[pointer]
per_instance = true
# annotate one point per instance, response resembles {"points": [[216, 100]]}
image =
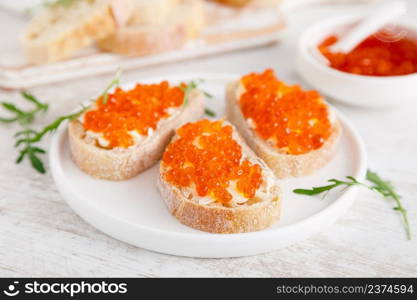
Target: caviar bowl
{"points": [[348, 88], [134, 212]]}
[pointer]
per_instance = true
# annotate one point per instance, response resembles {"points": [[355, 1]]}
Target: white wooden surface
{"points": [[41, 236]]}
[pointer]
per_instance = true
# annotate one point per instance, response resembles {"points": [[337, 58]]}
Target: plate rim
{"points": [[59, 179]]}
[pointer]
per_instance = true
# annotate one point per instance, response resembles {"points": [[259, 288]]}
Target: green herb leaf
{"points": [[28, 137], [6, 120], [12, 108], [31, 98], [321, 189], [113, 83], [37, 164], [187, 91], [209, 112], [24, 132], [38, 150], [315, 190], [189, 87], [32, 136], [207, 94], [50, 128], [24, 117], [384, 188], [51, 3], [21, 156]]}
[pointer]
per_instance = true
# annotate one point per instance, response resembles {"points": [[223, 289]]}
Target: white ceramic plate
{"points": [[134, 212]]}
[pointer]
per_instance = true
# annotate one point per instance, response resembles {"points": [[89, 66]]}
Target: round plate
{"points": [[134, 212]]}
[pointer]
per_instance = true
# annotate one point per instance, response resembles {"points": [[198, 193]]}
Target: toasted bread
{"points": [[284, 165], [253, 215], [124, 163], [59, 31], [184, 22]]}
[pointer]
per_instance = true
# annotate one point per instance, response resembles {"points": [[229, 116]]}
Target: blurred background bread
{"points": [[184, 21], [241, 3], [59, 30], [83, 36], [151, 12]]}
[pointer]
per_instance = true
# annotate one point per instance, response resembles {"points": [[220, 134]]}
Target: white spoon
{"points": [[377, 17]]}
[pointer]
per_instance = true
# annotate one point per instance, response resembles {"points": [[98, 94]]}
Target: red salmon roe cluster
{"points": [[294, 120], [140, 109], [206, 155], [374, 57]]}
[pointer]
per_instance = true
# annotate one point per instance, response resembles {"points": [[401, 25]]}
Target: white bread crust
{"points": [[218, 218], [284, 165], [121, 164]]}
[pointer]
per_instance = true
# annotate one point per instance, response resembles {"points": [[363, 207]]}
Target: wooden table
{"points": [[41, 236]]}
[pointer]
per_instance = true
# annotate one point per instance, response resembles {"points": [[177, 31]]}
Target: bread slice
{"points": [[124, 163], [153, 12], [193, 17], [257, 3], [238, 3], [184, 22], [284, 165], [61, 30], [255, 214]]}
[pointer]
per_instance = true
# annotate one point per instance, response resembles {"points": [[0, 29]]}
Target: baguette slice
{"points": [[284, 165], [153, 12], [61, 30], [217, 218], [242, 3], [184, 23], [121, 163]]}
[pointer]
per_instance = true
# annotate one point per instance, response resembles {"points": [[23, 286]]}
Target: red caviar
{"points": [[374, 57], [206, 155], [294, 120], [140, 109]]}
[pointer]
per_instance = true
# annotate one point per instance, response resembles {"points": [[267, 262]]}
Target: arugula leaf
{"points": [[28, 96], [21, 116], [36, 162], [386, 189], [321, 189], [113, 83], [24, 132], [52, 3], [6, 120], [12, 108], [37, 136], [31, 137], [189, 87], [27, 137], [207, 94], [383, 188], [209, 112], [21, 155]]}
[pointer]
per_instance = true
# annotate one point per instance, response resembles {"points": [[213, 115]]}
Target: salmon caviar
{"points": [[374, 57], [293, 120], [139, 109], [206, 155]]}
